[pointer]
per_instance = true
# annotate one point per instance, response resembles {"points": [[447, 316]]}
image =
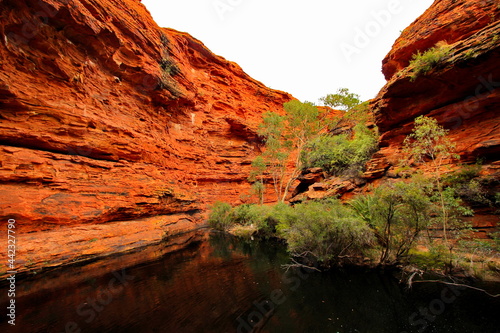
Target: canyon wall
{"points": [[116, 134], [462, 90], [111, 123]]}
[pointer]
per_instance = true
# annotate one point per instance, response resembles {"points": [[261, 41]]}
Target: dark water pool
{"points": [[220, 284]]}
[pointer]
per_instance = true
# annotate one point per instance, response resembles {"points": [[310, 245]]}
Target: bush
{"points": [[220, 217], [422, 63], [340, 154], [470, 187], [432, 259], [397, 213], [263, 218], [326, 230], [464, 175], [474, 193], [243, 214]]}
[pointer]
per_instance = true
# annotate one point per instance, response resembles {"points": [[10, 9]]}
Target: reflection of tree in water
{"points": [[264, 255], [353, 299], [223, 245], [206, 287]]}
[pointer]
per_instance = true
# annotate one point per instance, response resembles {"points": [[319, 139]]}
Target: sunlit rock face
{"points": [[106, 117], [462, 91], [445, 20]]}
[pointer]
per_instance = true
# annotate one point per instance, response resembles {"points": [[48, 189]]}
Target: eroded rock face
{"points": [[106, 117], [462, 91], [445, 20]]}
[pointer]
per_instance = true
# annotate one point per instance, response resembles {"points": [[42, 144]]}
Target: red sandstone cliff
{"points": [[462, 91], [105, 117], [447, 20], [114, 133]]}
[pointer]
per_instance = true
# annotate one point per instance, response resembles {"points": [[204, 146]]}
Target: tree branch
{"points": [[457, 285]]}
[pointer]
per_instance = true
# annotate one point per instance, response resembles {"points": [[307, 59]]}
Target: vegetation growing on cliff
{"points": [[307, 136], [342, 100], [422, 63], [385, 224], [349, 143], [285, 137], [428, 144], [341, 154]]}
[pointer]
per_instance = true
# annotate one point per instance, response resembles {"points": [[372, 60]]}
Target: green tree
{"points": [[259, 189], [397, 213], [340, 154], [277, 151], [342, 100], [257, 177], [428, 144], [304, 122], [284, 135]]}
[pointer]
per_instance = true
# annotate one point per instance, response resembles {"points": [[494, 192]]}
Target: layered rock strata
{"points": [[106, 117]]}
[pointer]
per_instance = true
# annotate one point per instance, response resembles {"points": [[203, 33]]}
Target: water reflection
{"points": [[221, 284]]}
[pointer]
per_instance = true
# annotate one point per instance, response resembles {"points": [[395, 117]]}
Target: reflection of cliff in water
{"points": [[221, 284]]}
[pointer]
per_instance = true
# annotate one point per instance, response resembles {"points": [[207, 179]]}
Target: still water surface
{"points": [[221, 284]]}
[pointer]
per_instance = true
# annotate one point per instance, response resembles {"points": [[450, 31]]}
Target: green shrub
{"points": [[397, 213], [432, 259], [422, 63], [341, 154], [464, 175], [475, 193], [470, 187], [285, 216], [243, 214], [496, 238], [220, 217], [326, 230], [263, 218]]}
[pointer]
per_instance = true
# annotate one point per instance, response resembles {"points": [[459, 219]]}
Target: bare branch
{"points": [[458, 285]]}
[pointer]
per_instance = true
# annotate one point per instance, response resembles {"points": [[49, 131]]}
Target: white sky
{"points": [[306, 48]]}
